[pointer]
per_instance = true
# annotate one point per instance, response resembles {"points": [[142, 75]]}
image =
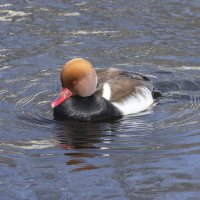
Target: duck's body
{"points": [[92, 108], [115, 94]]}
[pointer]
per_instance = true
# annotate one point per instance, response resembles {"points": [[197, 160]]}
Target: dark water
{"points": [[152, 155]]}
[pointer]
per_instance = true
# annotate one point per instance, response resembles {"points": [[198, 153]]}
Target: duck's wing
{"points": [[107, 74], [116, 84]]}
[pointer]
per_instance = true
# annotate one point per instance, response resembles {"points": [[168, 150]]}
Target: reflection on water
{"points": [[151, 155]]}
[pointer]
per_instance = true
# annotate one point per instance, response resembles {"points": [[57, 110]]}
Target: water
{"points": [[152, 155]]}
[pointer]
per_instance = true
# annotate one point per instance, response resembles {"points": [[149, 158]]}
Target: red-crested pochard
{"points": [[90, 94]]}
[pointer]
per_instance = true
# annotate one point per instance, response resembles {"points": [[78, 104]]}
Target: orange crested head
{"points": [[79, 76]]}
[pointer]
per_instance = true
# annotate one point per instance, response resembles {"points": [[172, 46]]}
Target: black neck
{"points": [[92, 108]]}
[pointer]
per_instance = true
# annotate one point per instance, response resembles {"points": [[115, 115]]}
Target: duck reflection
{"points": [[81, 160], [88, 136], [86, 141], [76, 135]]}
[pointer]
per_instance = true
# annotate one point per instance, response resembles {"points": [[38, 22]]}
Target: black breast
{"points": [[93, 108]]}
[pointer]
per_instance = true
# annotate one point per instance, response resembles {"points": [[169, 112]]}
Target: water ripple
{"points": [[10, 15], [181, 106], [151, 155]]}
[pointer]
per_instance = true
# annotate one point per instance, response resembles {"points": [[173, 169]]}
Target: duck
{"points": [[96, 94]]}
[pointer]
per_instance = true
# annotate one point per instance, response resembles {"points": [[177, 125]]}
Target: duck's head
{"points": [[79, 76]]}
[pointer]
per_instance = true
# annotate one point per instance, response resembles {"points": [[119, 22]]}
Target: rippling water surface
{"points": [[152, 155]]}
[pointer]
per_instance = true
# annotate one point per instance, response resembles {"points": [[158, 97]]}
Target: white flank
{"points": [[106, 91], [137, 102]]}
